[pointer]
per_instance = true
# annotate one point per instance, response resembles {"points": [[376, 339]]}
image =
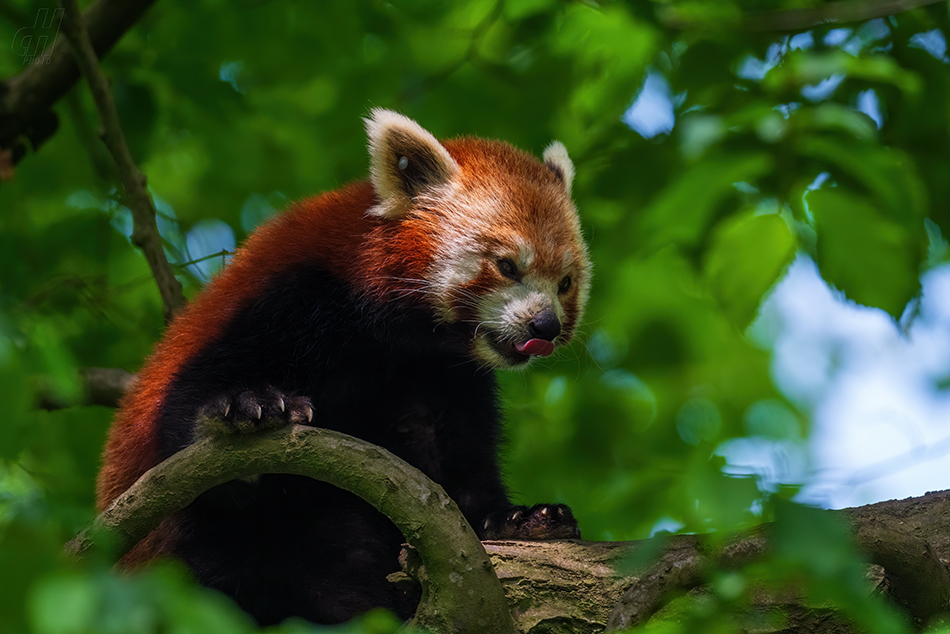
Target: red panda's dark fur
{"points": [[322, 276], [325, 230]]}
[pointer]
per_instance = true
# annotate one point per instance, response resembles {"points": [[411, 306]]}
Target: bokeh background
{"points": [[765, 187]]}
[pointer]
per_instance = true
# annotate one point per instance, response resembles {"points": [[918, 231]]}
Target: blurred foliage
{"points": [[830, 141]]}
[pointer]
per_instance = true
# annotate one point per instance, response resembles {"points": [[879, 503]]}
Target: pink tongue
{"points": [[535, 347]]}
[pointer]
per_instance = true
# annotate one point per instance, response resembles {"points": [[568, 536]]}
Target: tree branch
{"points": [[559, 586], [920, 579], [834, 12], [26, 99], [101, 386], [897, 536], [460, 592], [574, 586], [145, 232], [552, 586], [801, 19], [681, 567]]}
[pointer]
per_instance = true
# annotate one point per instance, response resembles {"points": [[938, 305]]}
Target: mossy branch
{"points": [[460, 591]]}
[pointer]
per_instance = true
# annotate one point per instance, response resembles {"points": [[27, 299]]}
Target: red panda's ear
{"points": [[405, 160], [556, 158]]}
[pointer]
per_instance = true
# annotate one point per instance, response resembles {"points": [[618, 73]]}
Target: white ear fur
{"points": [[405, 160], [556, 158]]}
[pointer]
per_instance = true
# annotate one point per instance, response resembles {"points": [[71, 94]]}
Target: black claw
{"points": [[250, 410], [543, 521]]}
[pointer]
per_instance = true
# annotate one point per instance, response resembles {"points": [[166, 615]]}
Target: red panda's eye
{"points": [[564, 285], [507, 268]]}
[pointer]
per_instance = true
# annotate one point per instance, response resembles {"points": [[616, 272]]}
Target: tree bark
{"points": [[576, 587]]}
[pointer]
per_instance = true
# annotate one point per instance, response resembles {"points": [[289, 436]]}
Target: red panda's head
{"points": [[488, 234]]}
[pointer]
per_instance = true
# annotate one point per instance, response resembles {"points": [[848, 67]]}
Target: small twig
{"points": [[471, 52], [145, 232], [101, 386], [223, 253], [801, 19]]}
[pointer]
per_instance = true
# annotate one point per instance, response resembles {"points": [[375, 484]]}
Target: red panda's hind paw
{"points": [[250, 410], [541, 521]]}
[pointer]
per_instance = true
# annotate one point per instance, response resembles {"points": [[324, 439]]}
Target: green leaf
{"points": [[682, 212], [605, 81], [748, 255], [64, 604], [872, 259], [800, 68], [818, 545], [888, 174], [836, 117]]}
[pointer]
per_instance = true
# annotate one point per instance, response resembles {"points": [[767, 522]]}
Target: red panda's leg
{"points": [[249, 410], [470, 473]]}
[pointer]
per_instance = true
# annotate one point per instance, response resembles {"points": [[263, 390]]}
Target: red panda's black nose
{"points": [[545, 325]]}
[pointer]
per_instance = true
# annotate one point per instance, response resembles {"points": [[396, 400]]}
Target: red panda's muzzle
{"points": [[543, 329]]}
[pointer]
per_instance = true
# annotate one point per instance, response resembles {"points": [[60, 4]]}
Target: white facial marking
{"points": [[506, 312], [525, 256], [566, 261], [466, 220], [462, 218]]}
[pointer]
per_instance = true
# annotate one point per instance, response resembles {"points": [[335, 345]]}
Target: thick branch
{"points": [[26, 99], [682, 567], [145, 233], [560, 586], [460, 593], [579, 586], [916, 562], [800, 19]]}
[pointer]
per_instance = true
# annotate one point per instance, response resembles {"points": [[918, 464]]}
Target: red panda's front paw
{"points": [[251, 410], [541, 521]]}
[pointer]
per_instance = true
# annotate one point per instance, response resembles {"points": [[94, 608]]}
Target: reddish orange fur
{"points": [[490, 164], [453, 260], [327, 229], [334, 231]]}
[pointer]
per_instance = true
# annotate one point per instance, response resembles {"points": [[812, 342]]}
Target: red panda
{"points": [[378, 310]]}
